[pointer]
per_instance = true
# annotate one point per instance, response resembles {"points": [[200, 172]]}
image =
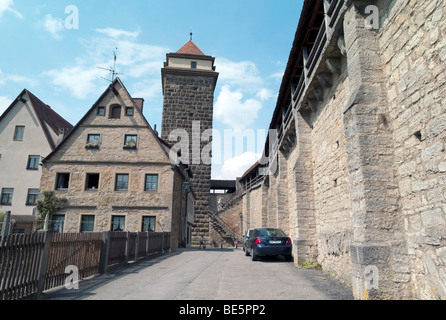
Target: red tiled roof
{"points": [[191, 48]]}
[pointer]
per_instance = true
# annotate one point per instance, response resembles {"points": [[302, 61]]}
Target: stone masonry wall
{"points": [[413, 51], [189, 98], [331, 186]]}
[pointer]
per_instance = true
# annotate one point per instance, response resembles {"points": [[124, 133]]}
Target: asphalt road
{"points": [[212, 274]]}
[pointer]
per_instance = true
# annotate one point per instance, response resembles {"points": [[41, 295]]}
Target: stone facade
{"points": [[110, 157], [360, 183], [188, 105]]}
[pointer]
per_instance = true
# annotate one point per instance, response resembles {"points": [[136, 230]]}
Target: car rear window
{"points": [[271, 233]]}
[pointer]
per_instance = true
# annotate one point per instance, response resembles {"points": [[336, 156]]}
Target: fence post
{"points": [[127, 247], [136, 246], [147, 243], [43, 262], [105, 250], [162, 244]]}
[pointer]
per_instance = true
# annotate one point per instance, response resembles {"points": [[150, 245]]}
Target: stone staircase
{"points": [[226, 232]]}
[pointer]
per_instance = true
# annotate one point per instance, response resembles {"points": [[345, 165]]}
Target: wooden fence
{"points": [[32, 263]]}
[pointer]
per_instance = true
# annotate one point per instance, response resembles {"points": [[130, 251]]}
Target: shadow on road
{"points": [[115, 272]]}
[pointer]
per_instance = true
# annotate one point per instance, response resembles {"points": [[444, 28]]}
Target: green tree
{"points": [[48, 206], [2, 217]]}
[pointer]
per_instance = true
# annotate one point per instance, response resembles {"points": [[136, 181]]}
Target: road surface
{"points": [[213, 274]]}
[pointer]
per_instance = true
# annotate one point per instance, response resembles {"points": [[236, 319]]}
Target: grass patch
{"points": [[312, 265]]}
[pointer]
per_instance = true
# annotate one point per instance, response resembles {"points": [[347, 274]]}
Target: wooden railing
{"points": [[311, 54], [33, 263]]}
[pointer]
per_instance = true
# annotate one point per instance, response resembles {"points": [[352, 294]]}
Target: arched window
{"points": [[115, 112]]}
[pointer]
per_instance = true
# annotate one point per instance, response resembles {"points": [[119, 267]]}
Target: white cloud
{"points": [[6, 6], [244, 74], [117, 33], [265, 94], [17, 79], [79, 80], [4, 104], [147, 89], [54, 26], [231, 110], [134, 60], [237, 166]]}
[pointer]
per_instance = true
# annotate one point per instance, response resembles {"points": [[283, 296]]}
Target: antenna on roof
{"points": [[112, 70]]}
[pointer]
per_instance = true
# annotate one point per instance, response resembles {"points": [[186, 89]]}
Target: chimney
{"points": [[139, 102]]}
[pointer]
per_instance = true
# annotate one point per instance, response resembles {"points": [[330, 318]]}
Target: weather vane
{"points": [[112, 70]]}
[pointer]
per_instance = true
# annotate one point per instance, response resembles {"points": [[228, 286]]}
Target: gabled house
{"points": [[29, 131], [116, 173]]}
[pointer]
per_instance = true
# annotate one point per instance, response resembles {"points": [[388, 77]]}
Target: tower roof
{"points": [[191, 48]]}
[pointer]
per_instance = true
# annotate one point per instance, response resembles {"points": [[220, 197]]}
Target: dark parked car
{"points": [[268, 242], [246, 237]]}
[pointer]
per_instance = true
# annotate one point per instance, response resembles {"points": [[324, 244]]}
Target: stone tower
{"points": [[189, 81]]}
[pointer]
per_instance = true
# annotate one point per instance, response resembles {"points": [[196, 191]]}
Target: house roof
{"points": [[164, 146], [191, 48], [48, 118]]}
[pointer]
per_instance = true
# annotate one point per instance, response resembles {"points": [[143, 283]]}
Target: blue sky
{"points": [[251, 41]]}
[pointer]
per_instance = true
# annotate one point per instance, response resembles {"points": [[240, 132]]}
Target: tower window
{"points": [[193, 64]]}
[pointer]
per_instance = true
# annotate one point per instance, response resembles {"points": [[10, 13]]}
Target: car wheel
{"points": [[254, 256]]}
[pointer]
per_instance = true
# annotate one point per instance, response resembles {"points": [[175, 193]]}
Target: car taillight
{"points": [[259, 241], [288, 241]]}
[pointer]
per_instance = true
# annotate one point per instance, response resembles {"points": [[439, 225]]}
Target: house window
{"points": [[87, 223], [62, 181], [151, 182], [148, 224], [130, 141], [19, 133], [93, 141], [7, 194], [118, 223], [122, 182], [56, 223], [33, 163], [193, 65], [101, 111], [33, 195], [115, 112], [129, 111], [92, 181]]}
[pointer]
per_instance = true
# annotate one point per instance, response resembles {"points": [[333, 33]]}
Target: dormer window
{"points": [[115, 112], [129, 111], [101, 111], [193, 64]]}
